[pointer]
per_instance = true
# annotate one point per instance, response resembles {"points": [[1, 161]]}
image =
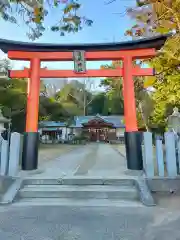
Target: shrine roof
{"points": [[153, 42], [116, 120], [47, 124]]}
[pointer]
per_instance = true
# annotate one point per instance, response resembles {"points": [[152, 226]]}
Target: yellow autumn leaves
{"points": [[149, 81], [38, 14]]}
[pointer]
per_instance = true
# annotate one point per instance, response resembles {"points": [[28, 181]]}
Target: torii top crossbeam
{"points": [[147, 43], [142, 48]]}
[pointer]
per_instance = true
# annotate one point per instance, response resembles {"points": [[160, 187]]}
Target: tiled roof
{"points": [[52, 124], [117, 121], [50, 128]]}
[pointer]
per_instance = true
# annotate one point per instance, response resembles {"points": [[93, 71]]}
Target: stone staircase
{"points": [[79, 192]]}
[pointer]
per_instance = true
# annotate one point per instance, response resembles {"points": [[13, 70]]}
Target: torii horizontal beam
{"points": [[45, 73], [89, 56]]}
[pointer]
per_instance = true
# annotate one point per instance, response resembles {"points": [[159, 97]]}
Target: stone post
{"points": [[4, 158], [14, 156], [174, 126]]}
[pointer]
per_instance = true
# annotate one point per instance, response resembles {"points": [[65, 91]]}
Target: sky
{"points": [[109, 25]]}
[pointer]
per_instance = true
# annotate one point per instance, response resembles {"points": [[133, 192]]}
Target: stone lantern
{"points": [[3, 120], [174, 121], [174, 126], [4, 74]]}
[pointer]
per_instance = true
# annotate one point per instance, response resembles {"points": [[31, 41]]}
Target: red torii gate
{"points": [[125, 51]]}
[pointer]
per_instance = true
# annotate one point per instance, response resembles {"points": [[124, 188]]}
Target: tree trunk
{"points": [[143, 117]]}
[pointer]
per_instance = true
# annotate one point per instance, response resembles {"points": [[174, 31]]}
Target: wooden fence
{"points": [[162, 158]]}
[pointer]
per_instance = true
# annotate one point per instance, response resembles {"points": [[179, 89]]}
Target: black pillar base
{"points": [[30, 151], [133, 150]]}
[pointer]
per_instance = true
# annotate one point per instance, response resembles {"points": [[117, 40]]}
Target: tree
{"points": [[114, 100], [97, 105], [77, 95], [13, 99], [50, 109], [166, 96], [5, 65], [33, 14], [114, 96], [144, 104], [153, 18]]}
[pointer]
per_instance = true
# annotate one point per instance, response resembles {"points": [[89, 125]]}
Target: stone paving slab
{"points": [[104, 161], [90, 160], [120, 148], [49, 152]]}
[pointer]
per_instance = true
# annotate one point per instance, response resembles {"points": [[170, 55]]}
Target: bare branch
{"points": [[109, 2]]}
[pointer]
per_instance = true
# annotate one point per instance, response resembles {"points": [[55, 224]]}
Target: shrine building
{"points": [[97, 128]]}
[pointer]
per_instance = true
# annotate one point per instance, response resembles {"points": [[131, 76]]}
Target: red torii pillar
{"points": [[31, 138], [132, 136], [129, 96]]}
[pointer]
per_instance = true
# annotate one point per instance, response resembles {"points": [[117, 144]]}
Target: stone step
{"points": [[80, 181], [76, 202], [79, 192]]}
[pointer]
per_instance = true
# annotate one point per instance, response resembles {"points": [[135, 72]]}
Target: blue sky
{"points": [[108, 26]]}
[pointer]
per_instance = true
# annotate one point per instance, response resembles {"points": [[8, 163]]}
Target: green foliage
{"points": [[114, 97], [155, 17], [113, 100], [97, 105], [50, 109], [13, 101], [144, 104], [34, 13], [166, 96], [74, 97]]}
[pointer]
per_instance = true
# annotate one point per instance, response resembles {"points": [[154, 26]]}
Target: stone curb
{"points": [[120, 153], [12, 191], [144, 193]]}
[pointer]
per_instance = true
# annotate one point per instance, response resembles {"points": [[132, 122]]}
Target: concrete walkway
{"points": [[103, 160], [68, 223], [91, 160]]}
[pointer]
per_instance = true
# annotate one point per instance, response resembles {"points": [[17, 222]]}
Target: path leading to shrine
{"points": [[87, 223], [96, 159], [67, 222], [47, 152]]}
